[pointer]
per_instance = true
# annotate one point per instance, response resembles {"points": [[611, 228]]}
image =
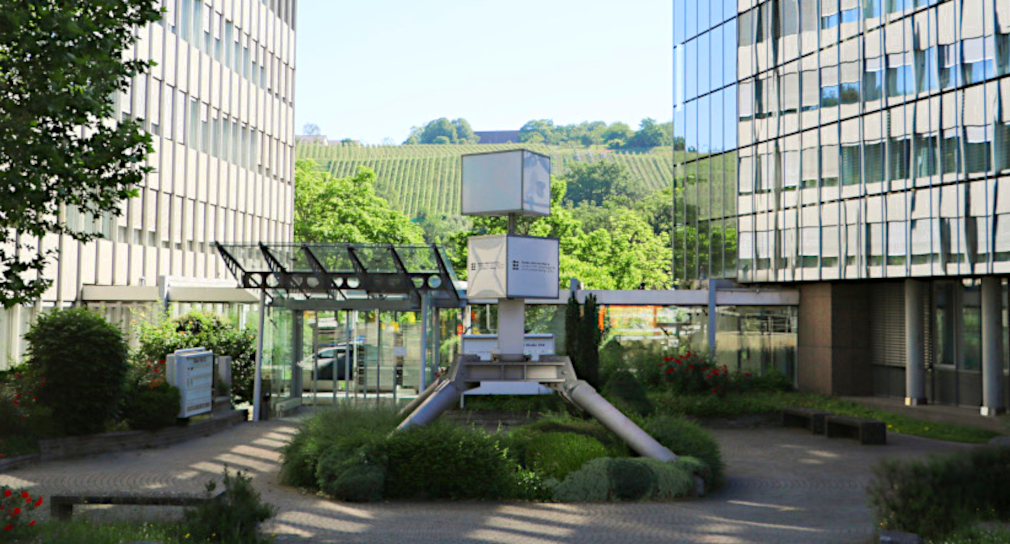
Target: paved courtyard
{"points": [[783, 485]]}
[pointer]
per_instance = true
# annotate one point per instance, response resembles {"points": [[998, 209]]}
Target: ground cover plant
{"points": [[937, 496], [352, 454]]}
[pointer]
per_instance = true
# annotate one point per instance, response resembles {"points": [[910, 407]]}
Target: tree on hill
{"points": [[601, 180], [651, 134], [329, 209], [619, 132], [443, 131], [538, 131], [62, 63]]}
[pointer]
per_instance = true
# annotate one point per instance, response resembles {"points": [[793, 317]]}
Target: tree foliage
{"points": [[604, 179], [61, 65], [443, 131], [329, 209]]}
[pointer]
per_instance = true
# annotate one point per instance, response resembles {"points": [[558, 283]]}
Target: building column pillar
{"points": [[915, 371], [992, 346]]}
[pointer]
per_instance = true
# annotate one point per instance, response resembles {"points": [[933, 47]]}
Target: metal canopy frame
{"points": [[345, 276]]}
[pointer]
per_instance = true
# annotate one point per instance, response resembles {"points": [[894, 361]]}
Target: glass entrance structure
{"points": [[343, 321]]}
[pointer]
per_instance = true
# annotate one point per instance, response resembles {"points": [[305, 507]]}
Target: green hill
{"points": [[415, 177]]}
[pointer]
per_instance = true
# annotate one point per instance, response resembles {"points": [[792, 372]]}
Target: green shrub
{"points": [[23, 420], [81, 361], [233, 520], [151, 407], [611, 360], [554, 455], [197, 329], [608, 479], [935, 496], [344, 428], [518, 440], [685, 437], [444, 461], [356, 475], [627, 394]]}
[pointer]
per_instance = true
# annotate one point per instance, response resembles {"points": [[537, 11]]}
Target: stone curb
{"points": [[79, 446]]}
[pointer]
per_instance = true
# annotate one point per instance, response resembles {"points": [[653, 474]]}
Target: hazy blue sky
{"points": [[370, 69]]}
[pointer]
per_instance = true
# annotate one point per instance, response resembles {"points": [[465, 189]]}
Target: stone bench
{"points": [[808, 418], [62, 506], [867, 431]]}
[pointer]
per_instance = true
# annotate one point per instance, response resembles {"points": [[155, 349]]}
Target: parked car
{"points": [[328, 356]]}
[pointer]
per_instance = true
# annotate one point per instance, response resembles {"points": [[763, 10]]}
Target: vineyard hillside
{"points": [[427, 177]]}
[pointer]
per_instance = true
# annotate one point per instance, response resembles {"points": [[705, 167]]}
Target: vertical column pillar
{"points": [[712, 315], [258, 379], [511, 327], [992, 347], [423, 383], [915, 371], [297, 339]]}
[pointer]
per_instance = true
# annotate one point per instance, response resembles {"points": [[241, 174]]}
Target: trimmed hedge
{"points": [[610, 479], [685, 437], [152, 407], [443, 461], [555, 455]]}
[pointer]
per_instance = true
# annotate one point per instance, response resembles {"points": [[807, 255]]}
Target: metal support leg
{"points": [[258, 379], [915, 371], [992, 346]]}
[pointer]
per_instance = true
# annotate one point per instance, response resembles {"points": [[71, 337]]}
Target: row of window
{"points": [[208, 31], [765, 41], [693, 17]]}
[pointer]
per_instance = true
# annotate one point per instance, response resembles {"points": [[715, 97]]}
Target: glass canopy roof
{"points": [[333, 276]]}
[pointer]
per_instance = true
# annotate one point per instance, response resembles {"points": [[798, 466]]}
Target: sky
{"points": [[370, 69]]}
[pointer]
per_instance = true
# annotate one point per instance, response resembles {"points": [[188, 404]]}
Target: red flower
{"points": [[746, 373], [17, 396], [24, 494], [17, 511], [32, 524], [668, 358], [691, 367], [38, 503], [16, 402], [669, 370], [156, 371], [7, 493], [9, 527], [679, 360], [659, 364], [715, 389], [688, 354]]}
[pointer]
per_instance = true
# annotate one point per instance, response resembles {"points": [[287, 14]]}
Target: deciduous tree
{"points": [[61, 65]]}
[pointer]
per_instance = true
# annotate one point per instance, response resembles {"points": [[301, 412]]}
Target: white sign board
{"points": [[507, 266], [192, 372], [504, 182], [483, 344]]}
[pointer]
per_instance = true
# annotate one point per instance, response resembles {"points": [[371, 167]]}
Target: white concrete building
{"points": [[220, 107]]}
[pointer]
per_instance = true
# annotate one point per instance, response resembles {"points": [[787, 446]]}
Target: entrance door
{"points": [[956, 374]]}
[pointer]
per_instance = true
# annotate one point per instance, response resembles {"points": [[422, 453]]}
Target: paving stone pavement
{"points": [[783, 485]]}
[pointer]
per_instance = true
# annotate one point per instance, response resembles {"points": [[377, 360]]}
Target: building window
{"points": [[897, 158], [899, 75], [978, 59], [873, 79], [874, 157], [871, 9], [949, 61], [951, 150], [925, 70], [925, 155]]}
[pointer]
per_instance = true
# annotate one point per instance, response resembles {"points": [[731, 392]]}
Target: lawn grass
{"points": [[82, 531], [976, 535], [761, 402]]}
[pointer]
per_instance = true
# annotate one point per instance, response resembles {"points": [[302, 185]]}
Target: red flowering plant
{"points": [[693, 373], [22, 419], [16, 507]]}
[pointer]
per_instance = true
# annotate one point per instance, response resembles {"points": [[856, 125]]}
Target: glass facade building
{"points": [[823, 141], [841, 139]]}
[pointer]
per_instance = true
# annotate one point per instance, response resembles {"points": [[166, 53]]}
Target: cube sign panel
{"points": [[506, 266], [505, 182]]}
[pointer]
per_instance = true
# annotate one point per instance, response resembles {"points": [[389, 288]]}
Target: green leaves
{"points": [[61, 62], [329, 209]]}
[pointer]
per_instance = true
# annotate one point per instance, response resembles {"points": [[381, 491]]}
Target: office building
{"points": [[860, 150], [219, 105]]}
